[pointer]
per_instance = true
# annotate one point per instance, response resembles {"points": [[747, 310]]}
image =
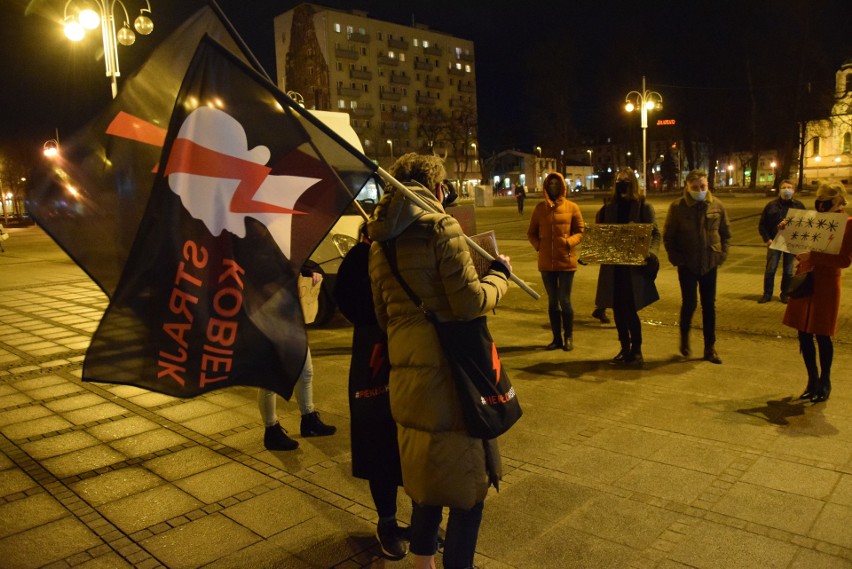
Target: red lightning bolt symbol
{"points": [[495, 361], [188, 157], [377, 358]]}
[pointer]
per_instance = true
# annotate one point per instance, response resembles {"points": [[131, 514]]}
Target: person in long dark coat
{"points": [[628, 289], [375, 450]]}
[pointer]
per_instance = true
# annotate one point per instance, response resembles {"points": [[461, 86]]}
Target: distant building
{"points": [[395, 81], [828, 141], [510, 167]]}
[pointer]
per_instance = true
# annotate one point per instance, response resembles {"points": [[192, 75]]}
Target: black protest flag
{"points": [[90, 198], [247, 186]]}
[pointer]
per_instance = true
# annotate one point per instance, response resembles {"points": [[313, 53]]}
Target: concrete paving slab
{"points": [[115, 485], [714, 546], [218, 483], [148, 508], [45, 544], [790, 512]]}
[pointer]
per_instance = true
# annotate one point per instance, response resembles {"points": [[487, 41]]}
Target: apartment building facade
{"points": [[406, 88]]}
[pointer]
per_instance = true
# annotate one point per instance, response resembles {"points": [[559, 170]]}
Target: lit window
{"points": [[353, 104], [337, 28], [458, 53], [349, 30], [458, 66], [341, 104], [402, 57], [467, 68], [415, 42], [425, 43], [391, 54]]}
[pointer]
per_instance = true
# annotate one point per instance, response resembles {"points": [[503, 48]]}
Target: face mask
{"points": [[553, 191], [823, 205], [698, 196], [622, 187], [786, 193]]}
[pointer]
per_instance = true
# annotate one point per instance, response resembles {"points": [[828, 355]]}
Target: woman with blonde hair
{"points": [[816, 315]]}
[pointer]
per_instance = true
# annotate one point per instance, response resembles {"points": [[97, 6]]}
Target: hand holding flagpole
{"points": [[470, 242]]}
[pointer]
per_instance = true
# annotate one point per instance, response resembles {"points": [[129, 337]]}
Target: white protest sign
{"points": [[808, 230]]}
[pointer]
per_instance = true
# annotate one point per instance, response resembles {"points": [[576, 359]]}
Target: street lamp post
{"points": [[591, 170], [90, 14], [390, 143], [645, 101], [730, 174]]}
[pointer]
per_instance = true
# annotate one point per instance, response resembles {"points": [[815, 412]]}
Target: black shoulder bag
{"points": [[488, 401]]}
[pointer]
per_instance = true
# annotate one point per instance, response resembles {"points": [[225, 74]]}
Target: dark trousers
{"points": [[558, 284], [706, 286], [627, 321], [384, 497], [773, 257], [809, 354], [460, 541]]}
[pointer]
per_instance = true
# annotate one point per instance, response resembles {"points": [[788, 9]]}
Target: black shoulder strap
{"points": [[389, 247]]}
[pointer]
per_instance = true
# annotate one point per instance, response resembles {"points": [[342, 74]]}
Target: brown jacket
{"points": [[697, 234], [817, 314], [556, 228]]}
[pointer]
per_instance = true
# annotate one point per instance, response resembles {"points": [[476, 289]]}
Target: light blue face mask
{"points": [[786, 193], [698, 196]]}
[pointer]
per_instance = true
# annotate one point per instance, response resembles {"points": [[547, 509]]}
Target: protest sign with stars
{"points": [[808, 230]]}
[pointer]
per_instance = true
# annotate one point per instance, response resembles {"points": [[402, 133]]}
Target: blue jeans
{"points": [[558, 284], [773, 256], [706, 285], [304, 390], [460, 541]]}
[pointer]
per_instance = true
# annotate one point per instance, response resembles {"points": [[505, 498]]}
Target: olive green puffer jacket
{"points": [[441, 464]]}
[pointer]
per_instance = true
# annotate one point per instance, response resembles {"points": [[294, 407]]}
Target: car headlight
{"points": [[343, 243]]}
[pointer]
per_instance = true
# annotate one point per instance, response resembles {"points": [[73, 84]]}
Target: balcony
{"points": [[346, 53], [400, 79], [423, 66], [434, 83], [464, 88], [362, 74], [385, 60], [433, 50], [397, 44], [362, 112], [355, 36], [465, 57], [390, 96], [426, 100], [348, 92], [453, 71], [390, 129], [402, 116]]}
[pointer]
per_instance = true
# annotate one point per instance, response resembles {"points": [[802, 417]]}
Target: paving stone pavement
{"points": [[680, 464]]}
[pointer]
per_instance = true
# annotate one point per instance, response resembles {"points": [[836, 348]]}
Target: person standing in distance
{"points": [[556, 228], [773, 214], [696, 238]]}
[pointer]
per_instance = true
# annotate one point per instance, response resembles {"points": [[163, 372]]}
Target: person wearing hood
{"points": [[628, 289], [442, 466], [556, 228], [696, 238]]}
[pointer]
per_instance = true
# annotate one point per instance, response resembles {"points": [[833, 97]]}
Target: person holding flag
{"points": [[442, 465]]}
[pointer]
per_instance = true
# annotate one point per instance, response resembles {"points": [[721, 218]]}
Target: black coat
{"points": [[375, 451]]}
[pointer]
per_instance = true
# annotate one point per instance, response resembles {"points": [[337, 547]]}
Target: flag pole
{"points": [[471, 243]]}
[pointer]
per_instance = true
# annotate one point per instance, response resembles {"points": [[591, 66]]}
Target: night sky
{"points": [[547, 72]]}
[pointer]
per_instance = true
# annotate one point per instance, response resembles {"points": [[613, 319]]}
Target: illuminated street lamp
{"points": [[390, 143], [50, 148], [730, 174], [88, 15], [645, 101]]}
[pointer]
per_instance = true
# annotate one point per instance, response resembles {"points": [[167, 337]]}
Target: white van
{"points": [[344, 234]]}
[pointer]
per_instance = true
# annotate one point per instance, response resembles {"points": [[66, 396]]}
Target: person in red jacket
{"points": [[816, 315], [556, 228]]}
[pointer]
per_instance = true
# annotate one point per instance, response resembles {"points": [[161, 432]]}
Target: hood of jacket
{"points": [[563, 192], [396, 211]]}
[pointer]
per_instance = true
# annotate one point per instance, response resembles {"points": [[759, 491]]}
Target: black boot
{"points": [[623, 356], [813, 381], [555, 327], [822, 390], [684, 343], [275, 438], [636, 358], [312, 426], [567, 327]]}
